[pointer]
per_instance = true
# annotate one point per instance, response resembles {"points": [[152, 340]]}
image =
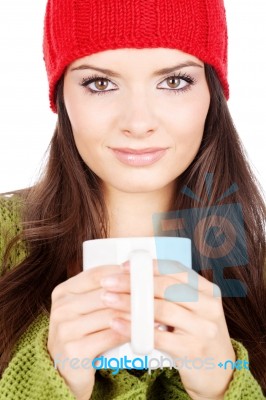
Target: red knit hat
{"points": [[77, 28]]}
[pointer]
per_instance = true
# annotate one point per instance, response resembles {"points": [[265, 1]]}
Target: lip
{"points": [[139, 157]]}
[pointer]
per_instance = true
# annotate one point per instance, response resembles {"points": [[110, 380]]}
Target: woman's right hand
{"points": [[80, 327]]}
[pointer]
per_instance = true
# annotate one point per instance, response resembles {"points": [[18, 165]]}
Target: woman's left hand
{"points": [[191, 306]]}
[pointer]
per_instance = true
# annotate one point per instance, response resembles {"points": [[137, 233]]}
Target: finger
{"points": [[121, 326], [117, 282], [105, 340], [85, 280], [182, 287], [165, 288], [186, 318], [162, 267], [121, 282], [179, 284], [68, 331], [173, 343], [200, 303], [177, 317], [166, 313], [117, 301], [163, 340], [178, 291], [182, 274], [93, 345], [73, 304]]}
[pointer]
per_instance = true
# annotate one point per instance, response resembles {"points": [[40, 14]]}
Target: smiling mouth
{"points": [[139, 157]]}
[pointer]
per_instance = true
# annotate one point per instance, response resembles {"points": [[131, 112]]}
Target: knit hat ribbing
{"points": [[78, 28]]}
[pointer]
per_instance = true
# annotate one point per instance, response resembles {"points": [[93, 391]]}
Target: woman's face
{"points": [[137, 125]]}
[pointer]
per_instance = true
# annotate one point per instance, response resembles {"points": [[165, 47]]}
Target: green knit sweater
{"points": [[31, 375]]}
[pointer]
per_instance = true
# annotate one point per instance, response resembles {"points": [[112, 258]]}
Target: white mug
{"points": [[140, 251]]}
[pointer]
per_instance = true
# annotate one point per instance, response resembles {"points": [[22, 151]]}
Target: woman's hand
{"points": [[80, 328], [193, 310]]}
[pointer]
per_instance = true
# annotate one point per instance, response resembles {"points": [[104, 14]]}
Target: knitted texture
{"points": [[10, 227], [77, 28], [31, 375]]}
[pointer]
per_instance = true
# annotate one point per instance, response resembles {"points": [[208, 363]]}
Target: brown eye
{"points": [[177, 83], [173, 82], [101, 84]]}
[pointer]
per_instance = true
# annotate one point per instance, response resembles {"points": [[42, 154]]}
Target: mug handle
{"points": [[142, 301]]}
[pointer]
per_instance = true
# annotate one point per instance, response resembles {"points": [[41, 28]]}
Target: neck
{"points": [[131, 214]]}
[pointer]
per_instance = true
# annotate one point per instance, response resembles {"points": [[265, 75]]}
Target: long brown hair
{"points": [[67, 207]]}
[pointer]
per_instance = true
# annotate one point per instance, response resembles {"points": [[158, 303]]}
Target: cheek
{"points": [[87, 140], [82, 119], [85, 113], [89, 126], [189, 128], [189, 123]]}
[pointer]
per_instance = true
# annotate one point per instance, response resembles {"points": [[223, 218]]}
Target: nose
{"points": [[138, 117]]}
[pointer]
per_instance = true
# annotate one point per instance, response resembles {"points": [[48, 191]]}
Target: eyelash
{"points": [[182, 76]]}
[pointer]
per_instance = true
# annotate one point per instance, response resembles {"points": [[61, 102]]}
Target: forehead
{"points": [[138, 59]]}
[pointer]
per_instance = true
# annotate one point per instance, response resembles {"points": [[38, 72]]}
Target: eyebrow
{"points": [[159, 72]]}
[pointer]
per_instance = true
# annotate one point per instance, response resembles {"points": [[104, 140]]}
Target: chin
{"points": [[141, 186]]}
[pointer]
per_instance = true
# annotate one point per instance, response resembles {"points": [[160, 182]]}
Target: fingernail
{"points": [[162, 328], [109, 282], [117, 325], [125, 265], [109, 297]]}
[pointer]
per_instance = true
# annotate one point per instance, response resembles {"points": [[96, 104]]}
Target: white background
{"points": [[27, 123]]}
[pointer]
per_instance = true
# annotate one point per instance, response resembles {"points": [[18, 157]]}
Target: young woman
{"points": [[143, 129]]}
